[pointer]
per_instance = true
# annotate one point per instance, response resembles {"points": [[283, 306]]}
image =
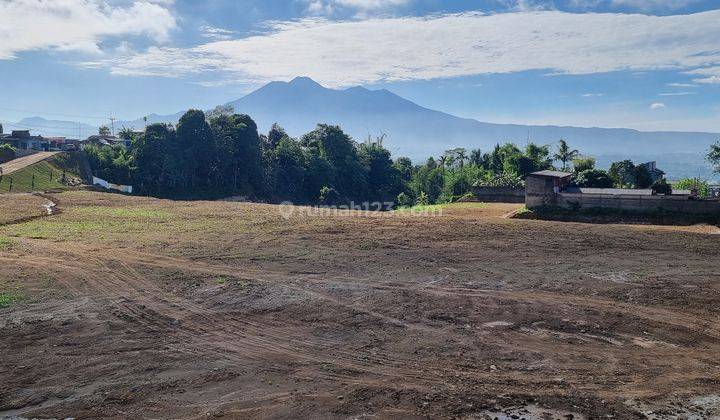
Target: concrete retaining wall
{"points": [[637, 203], [499, 194]]}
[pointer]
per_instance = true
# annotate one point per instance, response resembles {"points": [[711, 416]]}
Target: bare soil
{"points": [[137, 307]]}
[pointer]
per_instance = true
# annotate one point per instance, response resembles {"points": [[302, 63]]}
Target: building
{"points": [[23, 140], [542, 188], [552, 189], [101, 140], [653, 171]]}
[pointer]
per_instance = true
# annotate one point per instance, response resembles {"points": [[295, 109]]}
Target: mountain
{"points": [[419, 132], [51, 128]]}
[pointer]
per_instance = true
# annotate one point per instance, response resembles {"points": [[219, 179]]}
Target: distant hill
{"points": [[419, 132], [50, 128]]}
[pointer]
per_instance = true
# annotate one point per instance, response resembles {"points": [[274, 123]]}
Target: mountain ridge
{"points": [[418, 132]]}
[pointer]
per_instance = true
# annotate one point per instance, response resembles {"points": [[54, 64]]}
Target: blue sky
{"points": [[646, 64]]}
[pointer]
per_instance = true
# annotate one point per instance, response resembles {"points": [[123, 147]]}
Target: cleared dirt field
{"points": [[135, 307]]}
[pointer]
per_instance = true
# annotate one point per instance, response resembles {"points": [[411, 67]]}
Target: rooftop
{"points": [[552, 174]]}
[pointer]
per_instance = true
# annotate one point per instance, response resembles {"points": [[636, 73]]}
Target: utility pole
{"points": [[112, 124]]}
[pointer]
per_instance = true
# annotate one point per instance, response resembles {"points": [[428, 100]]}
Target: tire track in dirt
{"points": [[221, 337]]}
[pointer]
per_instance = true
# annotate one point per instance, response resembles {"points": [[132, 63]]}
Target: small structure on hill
{"points": [[552, 189], [542, 188]]}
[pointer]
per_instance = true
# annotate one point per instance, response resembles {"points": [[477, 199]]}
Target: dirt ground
{"points": [[135, 307]]}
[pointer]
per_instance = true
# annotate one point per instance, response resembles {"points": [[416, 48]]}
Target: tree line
{"points": [[222, 154]]}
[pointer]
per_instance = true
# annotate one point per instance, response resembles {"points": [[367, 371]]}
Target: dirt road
{"points": [[20, 163], [134, 307]]}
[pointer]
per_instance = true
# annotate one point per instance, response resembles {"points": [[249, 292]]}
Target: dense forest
{"points": [[222, 154]]}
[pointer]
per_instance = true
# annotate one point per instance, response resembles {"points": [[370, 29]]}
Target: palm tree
{"points": [[461, 156], [442, 161], [564, 154]]}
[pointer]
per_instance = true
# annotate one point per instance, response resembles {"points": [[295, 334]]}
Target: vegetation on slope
{"points": [[45, 175]]}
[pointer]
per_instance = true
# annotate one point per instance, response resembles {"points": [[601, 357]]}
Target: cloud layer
{"points": [[77, 25], [358, 52]]}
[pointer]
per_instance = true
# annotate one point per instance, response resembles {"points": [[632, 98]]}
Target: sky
{"points": [[644, 64]]}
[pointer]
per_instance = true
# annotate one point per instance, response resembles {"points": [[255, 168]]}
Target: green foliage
{"points": [[642, 177], [623, 173], [661, 186], [511, 180], [422, 199], [583, 163], [405, 168], [104, 130], [713, 156], [44, 175], [110, 163], [9, 298], [7, 152], [565, 154], [702, 187], [593, 178], [403, 200], [459, 181]]}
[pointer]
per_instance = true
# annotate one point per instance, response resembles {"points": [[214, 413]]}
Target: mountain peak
{"points": [[304, 81]]}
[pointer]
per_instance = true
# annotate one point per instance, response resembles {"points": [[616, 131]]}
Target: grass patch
{"points": [[5, 243], [9, 298], [433, 208], [43, 175], [121, 212]]}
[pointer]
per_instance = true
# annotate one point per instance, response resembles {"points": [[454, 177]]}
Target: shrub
{"points": [[403, 200], [702, 187], [581, 164], [661, 186], [593, 178], [7, 153]]}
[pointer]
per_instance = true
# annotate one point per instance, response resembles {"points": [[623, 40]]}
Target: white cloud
{"points": [[329, 7], [711, 75], [216, 33], [677, 94], [345, 53], [653, 5], [681, 85], [658, 105], [592, 95], [77, 25]]}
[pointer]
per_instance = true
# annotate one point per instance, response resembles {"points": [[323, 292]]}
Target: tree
{"points": [[1, 129], [701, 187], [593, 178], [220, 110], [661, 186], [623, 173], [384, 181], [642, 177], [195, 143], [583, 163], [104, 130], [714, 156], [564, 154], [274, 136], [340, 151], [405, 168], [237, 154], [476, 157]]}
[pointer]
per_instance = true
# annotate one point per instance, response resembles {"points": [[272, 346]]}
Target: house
{"points": [[655, 173], [101, 140], [23, 140]]}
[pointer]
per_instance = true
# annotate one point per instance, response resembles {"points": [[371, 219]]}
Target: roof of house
{"points": [[610, 191], [552, 174]]}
